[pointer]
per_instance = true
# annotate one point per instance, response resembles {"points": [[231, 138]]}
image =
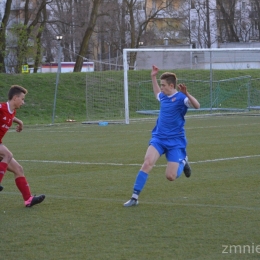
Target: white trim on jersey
{"points": [[186, 102], [167, 96], [8, 107]]}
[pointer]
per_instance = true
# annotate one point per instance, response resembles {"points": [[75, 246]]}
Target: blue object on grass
{"points": [[103, 123]]}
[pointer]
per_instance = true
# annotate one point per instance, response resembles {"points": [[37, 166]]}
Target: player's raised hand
{"points": [[154, 71], [182, 88]]}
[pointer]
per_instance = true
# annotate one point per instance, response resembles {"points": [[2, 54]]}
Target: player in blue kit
{"points": [[168, 135]]}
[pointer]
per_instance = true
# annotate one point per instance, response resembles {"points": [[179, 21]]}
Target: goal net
{"points": [[223, 80]]}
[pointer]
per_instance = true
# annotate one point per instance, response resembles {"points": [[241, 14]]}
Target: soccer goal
{"points": [[223, 80]]}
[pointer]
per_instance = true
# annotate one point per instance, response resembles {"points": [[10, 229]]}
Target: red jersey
{"points": [[6, 119]]}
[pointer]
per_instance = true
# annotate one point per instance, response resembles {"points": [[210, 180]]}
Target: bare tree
{"points": [[25, 32], [258, 17], [227, 13], [3, 27], [68, 19], [108, 40], [239, 22], [38, 55], [88, 33], [255, 16], [75, 20], [202, 24], [139, 18], [208, 33], [129, 24], [174, 20]]}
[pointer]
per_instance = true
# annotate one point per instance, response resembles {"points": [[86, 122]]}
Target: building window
{"points": [[154, 5], [141, 5], [253, 30], [193, 25], [243, 6], [192, 4], [169, 6], [254, 7]]}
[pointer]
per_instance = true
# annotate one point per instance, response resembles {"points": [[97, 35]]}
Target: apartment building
{"points": [[203, 23]]}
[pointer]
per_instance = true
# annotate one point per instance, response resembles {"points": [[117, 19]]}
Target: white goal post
{"points": [[223, 80]]}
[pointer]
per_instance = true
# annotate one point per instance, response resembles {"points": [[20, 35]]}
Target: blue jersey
{"points": [[171, 121]]}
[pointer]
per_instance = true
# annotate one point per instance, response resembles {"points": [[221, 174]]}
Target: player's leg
{"points": [[184, 157], [151, 156], [5, 158], [171, 171], [23, 185], [176, 163], [187, 168]]}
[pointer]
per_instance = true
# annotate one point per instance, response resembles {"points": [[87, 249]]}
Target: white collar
{"points": [[8, 107]]}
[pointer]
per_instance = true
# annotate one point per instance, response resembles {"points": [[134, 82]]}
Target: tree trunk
{"points": [[87, 35], [208, 25], [258, 16], [37, 60], [229, 19], [3, 35], [25, 32]]}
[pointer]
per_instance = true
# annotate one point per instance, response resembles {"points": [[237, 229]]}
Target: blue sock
{"points": [[180, 169], [139, 182]]}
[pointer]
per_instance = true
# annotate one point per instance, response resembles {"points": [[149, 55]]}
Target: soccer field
{"points": [[87, 173]]}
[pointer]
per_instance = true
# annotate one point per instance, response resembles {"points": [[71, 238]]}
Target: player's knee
{"points": [[171, 177], [147, 165], [18, 171], [8, 157]]}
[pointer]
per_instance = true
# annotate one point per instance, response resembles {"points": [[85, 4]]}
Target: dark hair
{"points": [[16, 90], [170, 78]]}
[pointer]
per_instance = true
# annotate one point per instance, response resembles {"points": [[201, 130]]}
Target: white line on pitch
{"points": [[229, 158], [148, 202], [136, 164], [82, 163], [62, 128]]}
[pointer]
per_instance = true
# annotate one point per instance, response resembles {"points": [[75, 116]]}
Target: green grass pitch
{"points": [[87, 173]]}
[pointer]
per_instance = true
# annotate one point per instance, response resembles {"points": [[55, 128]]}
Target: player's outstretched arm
{"points": [[156, 88]]}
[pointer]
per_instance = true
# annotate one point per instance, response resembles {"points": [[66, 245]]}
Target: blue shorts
{"points": [[174, 149]]}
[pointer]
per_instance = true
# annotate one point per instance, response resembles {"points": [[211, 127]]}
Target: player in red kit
{"points": [[16, 97]]}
